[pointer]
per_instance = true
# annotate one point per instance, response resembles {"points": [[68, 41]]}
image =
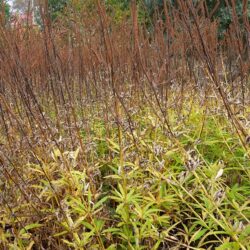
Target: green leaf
{"points": [[198, 234], [100, 202], [60, 234], [99, 224], [88, 225], [245, 233], [112, 247], [229, 246], [28, 227], [111, 230], [114, 146]]}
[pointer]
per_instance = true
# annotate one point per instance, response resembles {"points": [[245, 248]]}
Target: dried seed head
{"points": [[191, 153], [182, 176], [218, 196], [161, 164], [192, 164]]}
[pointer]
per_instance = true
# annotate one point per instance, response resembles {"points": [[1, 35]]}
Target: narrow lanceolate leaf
{"points": [[29, 227], [198, 234], [219, 174], [100, 202], [112, 247]]}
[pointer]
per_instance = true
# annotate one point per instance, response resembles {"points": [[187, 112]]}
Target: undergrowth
{"points": [[149, 194]]}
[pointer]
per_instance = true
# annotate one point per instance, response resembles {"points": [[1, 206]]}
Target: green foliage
{"points": [[56, 7], [118, 9], [184, 195], [224, 13], [6, 7]]}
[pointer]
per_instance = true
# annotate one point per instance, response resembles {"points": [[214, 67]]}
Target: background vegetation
{"points": [[220, 10]]}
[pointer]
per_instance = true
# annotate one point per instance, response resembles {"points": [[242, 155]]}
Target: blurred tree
{"points": [[55, 6], [222, 11], [55, 9], [217, 9], [4, 11], [118, 9], [20, 6]]}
